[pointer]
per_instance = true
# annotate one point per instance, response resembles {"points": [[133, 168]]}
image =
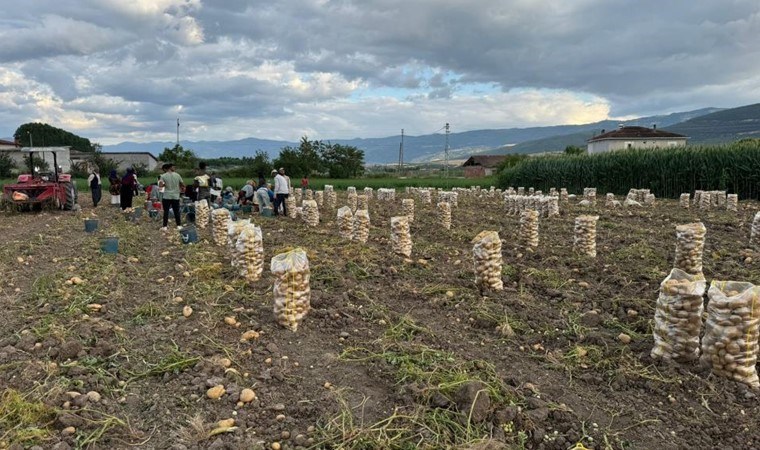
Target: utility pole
{"points": [[177, 132], [31, 144], [401, 153], [446, 151]]}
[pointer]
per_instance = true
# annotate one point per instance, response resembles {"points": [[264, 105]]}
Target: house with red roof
{"points": [[626, 137]]}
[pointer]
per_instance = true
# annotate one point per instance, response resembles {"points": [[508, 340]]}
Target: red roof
{"points": [[636, 133], [4, 142], [489, 161]]}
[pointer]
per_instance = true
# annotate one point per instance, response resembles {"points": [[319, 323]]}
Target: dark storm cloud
{"points": [[249, 60]]}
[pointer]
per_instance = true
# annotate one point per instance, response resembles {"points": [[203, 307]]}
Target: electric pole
{"points": [[446, 152], [401, 153], [178, 132]]}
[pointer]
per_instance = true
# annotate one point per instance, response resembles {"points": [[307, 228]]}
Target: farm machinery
{"points": [[36, 190]]}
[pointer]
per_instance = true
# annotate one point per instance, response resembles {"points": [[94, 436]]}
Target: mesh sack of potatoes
{"points": [[219, 219], [529, 228], [362, 202], [754, 235], [369, 192], [361, 226], [292, 293], [608, 199], [684, 200], [520, 190], [584, 236], [690, 244], [310, 212], [590, 195], [425, 196], [401, 239], [730, 340], [553, 207], [407, 208], [351, 190], [308, 194], [201, 214], [297, 195], [678, 317], [486, 252], [732, 202], [718, 199], [249, 253], [444, 214], [345, 222], [563, 196], [705, 200], [553, 192], [234, 228], [331, 199], [697, 195], [351, 200], [290, 203], [649, 200], [319, 197]]}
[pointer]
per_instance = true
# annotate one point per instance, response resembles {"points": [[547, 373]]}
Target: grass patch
{"points": [[22, 420]]}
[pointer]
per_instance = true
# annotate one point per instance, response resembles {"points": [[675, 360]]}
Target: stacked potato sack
{"points": [[684, 200], [362, 202], [678, 317], [297, 196], [444, 214], [330, 196], [649, 200], [407, 208], [531, 191], [345, 222], [386, 194], [630, 200], [351, 200], [705, 200], [310, 212], [697, 195], [590, 195], [690, 243], [486, 252], [718, 198], [553, 192], [520, 190], [425, 196], [351, 190], [369, 192], [201, 214], [585, 235], [609, 198], [292, 293], [249, 253], [234, 228], [563, 196], [308, 195], [754, 237], [361, 226], [319, 196], [401, 239], [553, 207], [290, 203], [538, 193], [732, 202], [529, 228], [730, 341], [219, 219]]}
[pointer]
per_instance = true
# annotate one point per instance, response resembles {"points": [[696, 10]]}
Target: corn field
{"points": [[666, 172]]}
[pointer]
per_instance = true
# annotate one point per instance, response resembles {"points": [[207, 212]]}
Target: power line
{"points": [[401, 153], [446, 151]]}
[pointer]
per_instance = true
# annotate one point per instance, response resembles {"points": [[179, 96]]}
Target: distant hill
{"points": [[702, 125], [722, 126]]}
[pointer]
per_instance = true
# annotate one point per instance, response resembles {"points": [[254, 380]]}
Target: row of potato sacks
{"points": [[729, 345]]}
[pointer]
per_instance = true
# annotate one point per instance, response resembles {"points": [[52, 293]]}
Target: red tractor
{"points": [[36, 190]]}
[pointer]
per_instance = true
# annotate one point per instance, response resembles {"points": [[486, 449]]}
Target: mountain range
{"points": [[703, 126]]}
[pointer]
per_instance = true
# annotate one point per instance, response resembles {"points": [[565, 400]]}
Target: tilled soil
{"points": [[395, 353]]}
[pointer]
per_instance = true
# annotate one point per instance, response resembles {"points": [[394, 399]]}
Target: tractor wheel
{"points": [[71, 196]]}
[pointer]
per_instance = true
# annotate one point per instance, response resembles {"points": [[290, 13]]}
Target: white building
{"points": [[634, 137], [17, 154]]}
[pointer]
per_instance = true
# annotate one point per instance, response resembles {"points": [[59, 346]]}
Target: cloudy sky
{"points": [[124, 70]]}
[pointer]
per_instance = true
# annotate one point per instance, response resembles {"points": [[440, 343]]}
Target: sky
{"points": [[125, 70]]}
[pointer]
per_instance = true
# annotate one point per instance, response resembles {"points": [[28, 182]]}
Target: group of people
{"points": [[169, 188]]}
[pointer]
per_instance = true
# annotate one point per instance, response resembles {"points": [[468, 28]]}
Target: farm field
{"points": [[395, 353]]}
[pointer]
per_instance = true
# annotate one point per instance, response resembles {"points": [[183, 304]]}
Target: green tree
{"points": [[574, 150], [181, 157], [342, 161], [37, 162], [260, 165], [6, 165], [43, 135], [290, 159], [512, 160]]}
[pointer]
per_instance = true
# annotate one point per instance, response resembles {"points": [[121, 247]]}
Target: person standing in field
{"points": [[172, 184], [95, 186], [304, 184], [202, 184], [128, 183], [115, 188], [281, 192]]}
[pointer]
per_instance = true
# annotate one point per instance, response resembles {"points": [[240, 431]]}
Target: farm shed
{"points": [[17, 154], [130, 159], [634, 137], [482, 165]]}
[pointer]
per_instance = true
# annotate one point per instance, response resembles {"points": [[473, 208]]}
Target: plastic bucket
{"points": [[267, 212], [188, 235], [90, 225], [137, 213], [246, 208], [109, 245]]}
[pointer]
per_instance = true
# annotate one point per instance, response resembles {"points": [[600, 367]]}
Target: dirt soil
{"points": [[95, 351]]}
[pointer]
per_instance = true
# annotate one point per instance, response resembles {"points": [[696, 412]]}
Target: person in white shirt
{"points": [[95, 186], [281, 192]]}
